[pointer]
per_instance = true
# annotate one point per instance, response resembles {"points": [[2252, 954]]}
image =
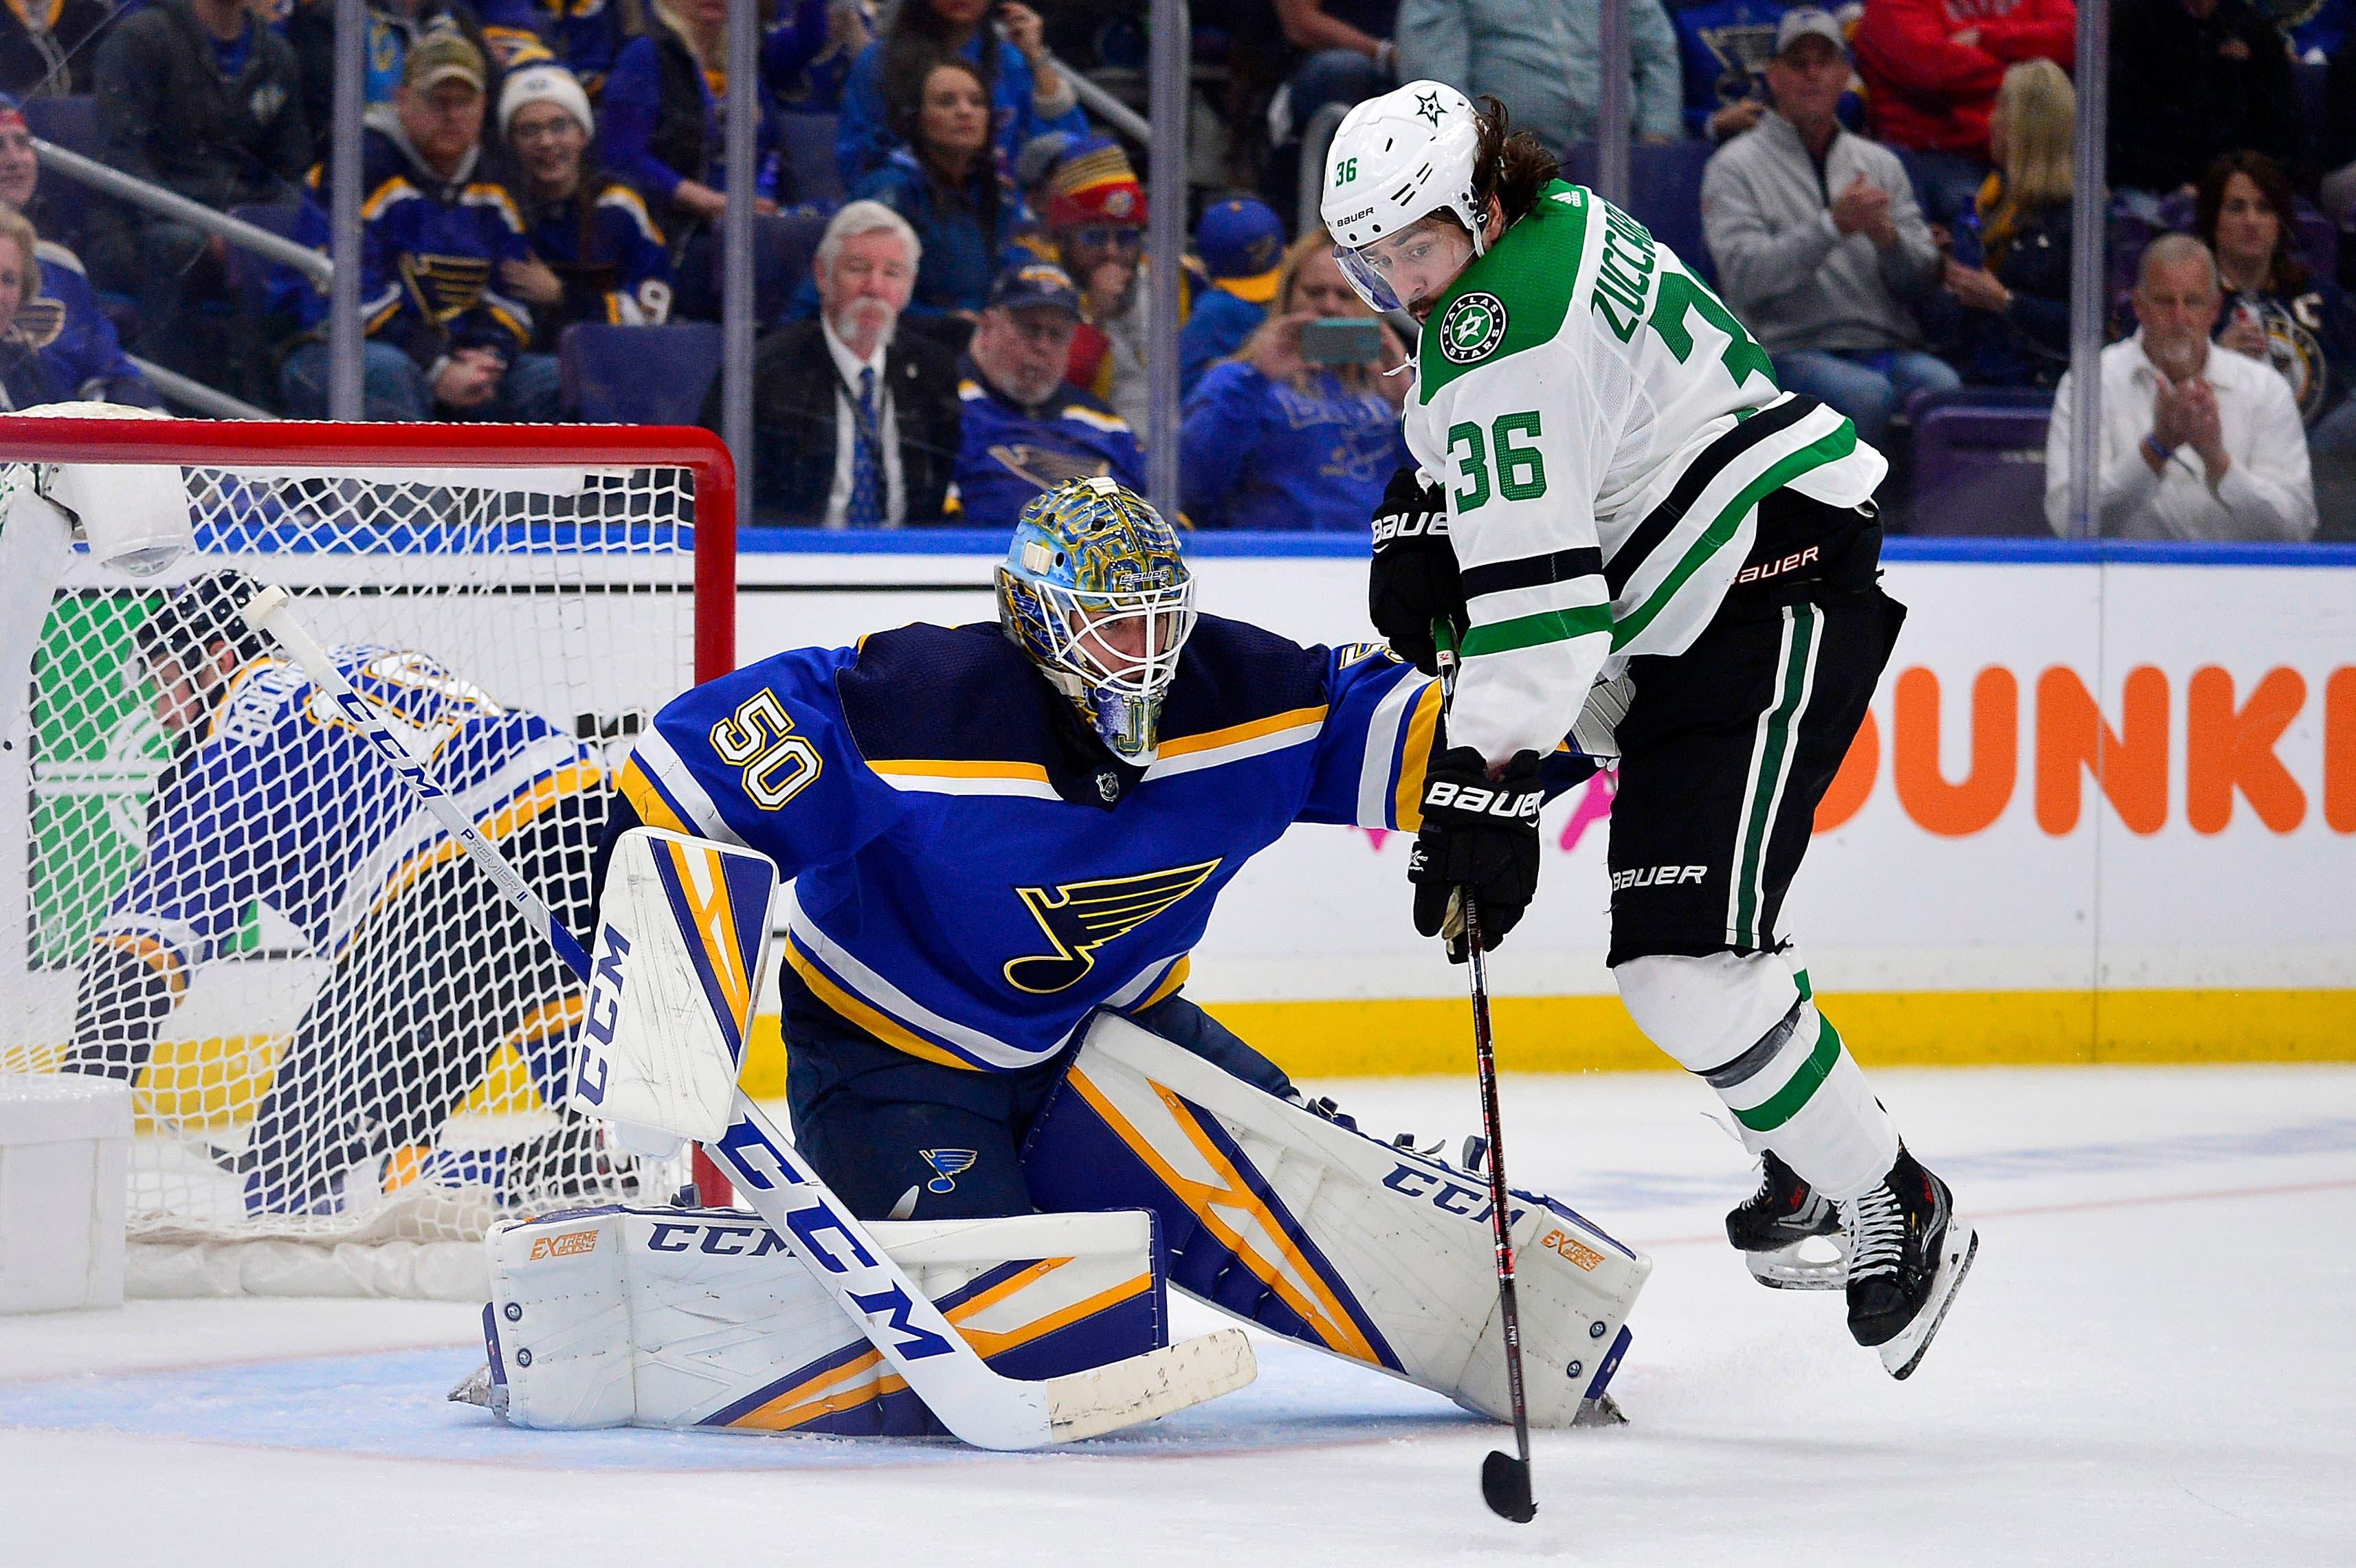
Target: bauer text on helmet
{"points": [[1094, 589], [1396, 160]]}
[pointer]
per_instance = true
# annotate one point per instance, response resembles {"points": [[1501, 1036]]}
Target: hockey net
{"points": [[334, 1033]]}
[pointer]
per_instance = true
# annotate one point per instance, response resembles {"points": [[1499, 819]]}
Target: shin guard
{"points": [[1371, 1251]]}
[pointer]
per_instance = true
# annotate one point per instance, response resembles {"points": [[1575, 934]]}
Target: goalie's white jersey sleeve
{"points": [[1604, 428]]}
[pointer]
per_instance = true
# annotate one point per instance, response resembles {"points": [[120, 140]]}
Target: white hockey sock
{"points": [[1740, 1022]]}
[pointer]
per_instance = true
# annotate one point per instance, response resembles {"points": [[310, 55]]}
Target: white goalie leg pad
{"points": [[1744, 1024], [682, 934], [1291, 1222], [704, 1319]]}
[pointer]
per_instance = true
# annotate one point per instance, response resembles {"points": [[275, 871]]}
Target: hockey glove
{"points": [[1481, 836], [1414, 579]]}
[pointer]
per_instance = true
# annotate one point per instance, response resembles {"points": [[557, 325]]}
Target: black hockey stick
{"points": [[1504, 1477]]}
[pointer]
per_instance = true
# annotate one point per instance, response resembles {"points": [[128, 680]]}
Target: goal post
{"points": [[207, 893]]}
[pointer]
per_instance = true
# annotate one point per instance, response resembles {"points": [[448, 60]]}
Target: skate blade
{"points": [[1789, 1268], [1903, 1351]]}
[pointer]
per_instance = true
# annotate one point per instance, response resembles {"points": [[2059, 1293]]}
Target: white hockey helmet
{"points": [[1397, 158]]}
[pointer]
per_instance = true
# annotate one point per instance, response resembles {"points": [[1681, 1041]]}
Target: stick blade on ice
{"points": [[1505, 1487]]}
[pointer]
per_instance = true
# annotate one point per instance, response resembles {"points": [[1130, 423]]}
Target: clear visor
{"points": [[1367, 276], [1416, 263]]}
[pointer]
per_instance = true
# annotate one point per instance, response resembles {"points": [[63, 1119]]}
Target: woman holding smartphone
{"points": [[1300, 429]]}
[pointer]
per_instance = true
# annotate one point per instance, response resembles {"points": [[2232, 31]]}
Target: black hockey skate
{"points": [[1907, 1255], [1773, 1227]]}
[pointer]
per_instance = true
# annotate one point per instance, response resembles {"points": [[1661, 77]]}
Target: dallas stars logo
{"points": [[1472, 327], [1080, 917], [1428, 105]]}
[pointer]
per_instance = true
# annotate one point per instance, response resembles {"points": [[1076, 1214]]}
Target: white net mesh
{"points": [[333, 1028]]}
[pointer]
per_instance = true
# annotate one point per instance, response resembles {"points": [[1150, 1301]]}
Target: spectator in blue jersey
{"points": [[815, 85], [1241, 243], [263, 800], [583, 35], [1820, 249], [61, 317], [1274, 442], [25, 380], [1023, 428], [203, 99], [947, 183], [45, 46], [1544, 62], [443, 340], [595, 254], [1725, 46], [1006, 43]]}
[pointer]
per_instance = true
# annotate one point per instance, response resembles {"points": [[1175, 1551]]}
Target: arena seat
{"points": [[637, 375], [1664, 194], [806, 153], [71, 122], [1979, 462], [782, 248]]}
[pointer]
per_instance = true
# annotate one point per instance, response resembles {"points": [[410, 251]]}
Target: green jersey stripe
{"points": [[1529, 631], [1785, 1102], [1829, 448]]}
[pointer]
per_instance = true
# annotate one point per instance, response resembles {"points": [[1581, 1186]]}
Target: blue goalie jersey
{"points": [[282, 801], [970, 876]]}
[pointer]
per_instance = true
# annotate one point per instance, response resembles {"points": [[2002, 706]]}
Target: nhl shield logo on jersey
{"points": [[1474, 325]]}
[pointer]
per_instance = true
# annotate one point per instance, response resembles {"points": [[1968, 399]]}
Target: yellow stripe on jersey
{"points": [[1415, 759], [1234, 734], [153, 951], [880, 1024], [528, 805], [1170, 984]]}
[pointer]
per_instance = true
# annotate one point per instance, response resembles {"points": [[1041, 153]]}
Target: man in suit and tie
{"points": [[854, 426]]}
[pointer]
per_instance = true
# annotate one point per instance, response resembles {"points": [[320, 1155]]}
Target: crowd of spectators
{"points": [[1886, 204]]}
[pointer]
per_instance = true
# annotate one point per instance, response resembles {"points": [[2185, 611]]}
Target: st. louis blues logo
{"points": [[1080, 917], [949, 1163]]}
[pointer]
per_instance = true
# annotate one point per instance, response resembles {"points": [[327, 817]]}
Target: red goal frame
{"points": [[304, 443]]}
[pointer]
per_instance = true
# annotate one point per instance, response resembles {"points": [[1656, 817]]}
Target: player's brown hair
{"points": [[1510, 167]]}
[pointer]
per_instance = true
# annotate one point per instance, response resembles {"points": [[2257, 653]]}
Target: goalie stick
{"points": [[978, 1406], [1504, 1477]]}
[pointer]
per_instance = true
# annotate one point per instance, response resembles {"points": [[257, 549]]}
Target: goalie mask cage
{"points": [[466, 577]]}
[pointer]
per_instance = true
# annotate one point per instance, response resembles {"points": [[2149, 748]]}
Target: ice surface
{"points": [[2152, 1364]]}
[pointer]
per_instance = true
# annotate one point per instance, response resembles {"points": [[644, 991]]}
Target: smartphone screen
{"points": [[1341, 340]]}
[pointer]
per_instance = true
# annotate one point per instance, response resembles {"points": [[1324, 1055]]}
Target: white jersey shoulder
{"points": [[1605, 429]]}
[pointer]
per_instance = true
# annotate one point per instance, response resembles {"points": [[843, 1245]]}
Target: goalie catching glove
{"points": [[1414, 581], [1480, 835]]}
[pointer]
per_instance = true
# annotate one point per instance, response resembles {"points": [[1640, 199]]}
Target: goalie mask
{"points": [[1094, 591], [1397, 159], [173, 646]]}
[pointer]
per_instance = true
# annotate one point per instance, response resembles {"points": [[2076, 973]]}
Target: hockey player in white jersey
{"points": [[270, 799], [1614, 490]]}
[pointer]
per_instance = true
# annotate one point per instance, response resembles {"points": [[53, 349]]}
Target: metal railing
{"points": [[1316, 138], [195, 395], [181, 209]]}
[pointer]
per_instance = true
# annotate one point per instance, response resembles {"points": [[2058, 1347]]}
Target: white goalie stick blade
{"points": [[682, 934], [1902, 1354], [978, 1406]]}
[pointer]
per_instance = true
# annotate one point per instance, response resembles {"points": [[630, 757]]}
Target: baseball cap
{"points": [[441, 57], [1241, 241], [1809, 21], [1034, 283]]}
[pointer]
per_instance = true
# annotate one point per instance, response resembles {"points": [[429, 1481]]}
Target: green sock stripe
{"points": [[1785, 1102]]}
